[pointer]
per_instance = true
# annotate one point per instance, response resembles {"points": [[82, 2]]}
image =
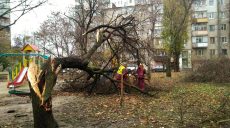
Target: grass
{"points": [[177, 104], [194, 104]]}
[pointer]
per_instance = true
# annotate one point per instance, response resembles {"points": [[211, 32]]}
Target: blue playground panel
{"points": [[23, 54]]}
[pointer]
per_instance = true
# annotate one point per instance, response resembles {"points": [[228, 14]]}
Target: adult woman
{"points": [[140, 76]]}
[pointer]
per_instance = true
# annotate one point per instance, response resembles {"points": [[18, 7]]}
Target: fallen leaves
{"points": [[199, 101]]}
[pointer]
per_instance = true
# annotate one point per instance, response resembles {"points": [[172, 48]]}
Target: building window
{"points": [[212, 40], [211, 15], [184, 54], [138, 1], [223, 39], [222, 27], [211, 27], [199, 27], [200, 14], [221, 2], [224, 52], [199, 2], [222, 15], [199, 52], [125, 4], [212, 52], [185, 59], [211, 2], [200, 39], [185, 62]]}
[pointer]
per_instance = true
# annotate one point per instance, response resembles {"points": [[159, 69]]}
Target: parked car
{"points": [[158, 68], [132, 67]]}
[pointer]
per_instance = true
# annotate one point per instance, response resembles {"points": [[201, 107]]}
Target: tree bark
{"points": [[42, 118], [168, 67], [176, 62], [71, 62], [41, 83]]}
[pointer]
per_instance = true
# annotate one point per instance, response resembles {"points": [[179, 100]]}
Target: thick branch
{"points": [[71, 62]]}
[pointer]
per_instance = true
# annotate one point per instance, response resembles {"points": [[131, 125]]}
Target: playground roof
{"points": [[30, 47]]}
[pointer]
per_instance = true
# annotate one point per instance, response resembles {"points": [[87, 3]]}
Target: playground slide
{"points": [[19, 79]]}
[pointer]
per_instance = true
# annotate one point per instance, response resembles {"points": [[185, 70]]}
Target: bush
{"points": [[201, 105], [216, 70]]}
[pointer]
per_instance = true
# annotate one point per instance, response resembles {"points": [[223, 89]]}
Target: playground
{"points": [[15, 104], [17, 72]]}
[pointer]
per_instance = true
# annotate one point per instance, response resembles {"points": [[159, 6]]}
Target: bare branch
{"points": [[27, 8]]}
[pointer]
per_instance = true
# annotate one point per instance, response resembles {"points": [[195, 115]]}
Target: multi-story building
{"points": [[4, 21], [208, 33], [210, 30]]}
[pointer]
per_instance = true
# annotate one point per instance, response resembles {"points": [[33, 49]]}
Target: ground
{"points": [[175, 104]]}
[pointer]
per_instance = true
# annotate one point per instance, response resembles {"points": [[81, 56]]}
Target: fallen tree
{"points": [[43, 80]]}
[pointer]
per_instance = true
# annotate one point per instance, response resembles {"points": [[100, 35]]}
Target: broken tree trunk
{"points": [[42, 118], [41, 83]]}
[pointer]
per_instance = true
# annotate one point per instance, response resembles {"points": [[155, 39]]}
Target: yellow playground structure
{"points": [[17, 72]]}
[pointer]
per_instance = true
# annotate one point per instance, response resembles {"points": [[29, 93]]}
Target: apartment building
{"points": [[210, 29], [208, 32], [4, 21]]}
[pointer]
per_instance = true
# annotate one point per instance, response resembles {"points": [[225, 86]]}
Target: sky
{"points": [[31, 21]]}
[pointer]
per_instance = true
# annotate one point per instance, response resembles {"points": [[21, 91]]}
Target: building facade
{"points": [[208, 32], [5, 38], [209, 37], [210, 29]]}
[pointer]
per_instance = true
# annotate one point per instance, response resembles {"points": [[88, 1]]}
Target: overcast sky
{"points": [[31, 21]]}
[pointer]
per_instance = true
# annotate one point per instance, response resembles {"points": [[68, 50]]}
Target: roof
{"points": [[30, 47]]}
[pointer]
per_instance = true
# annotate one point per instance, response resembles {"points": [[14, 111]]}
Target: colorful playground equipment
{"points": [[17, 72]]}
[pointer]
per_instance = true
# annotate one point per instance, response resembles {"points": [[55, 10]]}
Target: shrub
{"points": [[216, 70]]}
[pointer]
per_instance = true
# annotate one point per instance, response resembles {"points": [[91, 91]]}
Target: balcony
{"points": [[198, 33], [199, 45], [200, 20]]}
